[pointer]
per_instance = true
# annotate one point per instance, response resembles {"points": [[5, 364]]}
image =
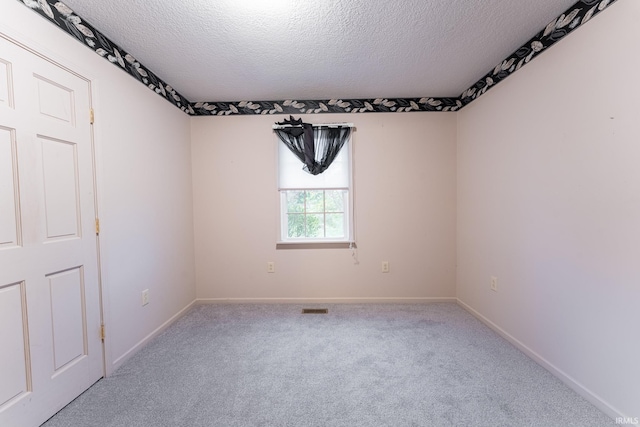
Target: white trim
{"points": [[593, 398], [27, 42], [355, 300], [133, 350], [311, 188], [316, 244], [352, 213]]}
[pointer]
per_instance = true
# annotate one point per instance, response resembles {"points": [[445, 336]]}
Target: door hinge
{"points": [[102, 333], [97, 226], [91, 116]]}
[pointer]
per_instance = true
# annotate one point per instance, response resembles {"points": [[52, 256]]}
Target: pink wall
{"points": [[549, 203], [405, 204]]}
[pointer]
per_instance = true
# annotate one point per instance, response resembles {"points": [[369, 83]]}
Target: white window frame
{"points": [[328, 242]]}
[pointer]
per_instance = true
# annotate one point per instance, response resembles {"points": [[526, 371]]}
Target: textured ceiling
{"points": [[232, 50]]}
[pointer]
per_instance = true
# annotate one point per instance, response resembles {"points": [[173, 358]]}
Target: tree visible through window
{"points": [[316, 214]]}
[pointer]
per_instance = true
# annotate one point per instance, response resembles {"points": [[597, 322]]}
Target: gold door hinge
{"points": [[97, 226], [102, 333], [91, 116]]}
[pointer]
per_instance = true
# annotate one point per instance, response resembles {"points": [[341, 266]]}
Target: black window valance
{"points": [[315, 145]]}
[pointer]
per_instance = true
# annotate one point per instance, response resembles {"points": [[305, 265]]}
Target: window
{"points": [[316, 214], [315, 208]]}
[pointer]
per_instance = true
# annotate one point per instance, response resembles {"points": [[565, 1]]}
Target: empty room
{"points": [[329, 213]]}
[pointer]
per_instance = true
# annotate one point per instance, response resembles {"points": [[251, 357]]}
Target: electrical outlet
{"points": [[494, 283], [271, 267], [385, 266], [145, 297]]}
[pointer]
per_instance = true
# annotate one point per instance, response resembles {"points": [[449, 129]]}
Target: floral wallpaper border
{"points": [[378, 105], [68, 21], [574, 17]]}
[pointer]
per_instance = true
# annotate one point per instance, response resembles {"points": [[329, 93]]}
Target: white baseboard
{"points": [[593, 398], [133, 350], [373, 300]]}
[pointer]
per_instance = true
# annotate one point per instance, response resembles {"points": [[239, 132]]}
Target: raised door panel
{"points": [[60, 175], [9, 226], [6, 84], [14, 369], [67, 317], [55, 100]]}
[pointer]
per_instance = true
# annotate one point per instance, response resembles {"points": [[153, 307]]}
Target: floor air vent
{"points": [[315, 310]]}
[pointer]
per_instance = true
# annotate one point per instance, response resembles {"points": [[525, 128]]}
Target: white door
{"points": [[50, 345]]}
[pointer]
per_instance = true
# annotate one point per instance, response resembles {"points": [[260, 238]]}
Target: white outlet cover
{"points": [[385, 266]]}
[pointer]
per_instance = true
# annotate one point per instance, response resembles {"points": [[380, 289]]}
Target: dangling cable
{"points": [[354, 252]]}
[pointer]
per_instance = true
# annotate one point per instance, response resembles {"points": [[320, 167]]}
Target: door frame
{"points": [[32, 46]]}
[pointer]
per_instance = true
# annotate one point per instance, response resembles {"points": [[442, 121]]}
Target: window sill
{"points": [[315, 245]]}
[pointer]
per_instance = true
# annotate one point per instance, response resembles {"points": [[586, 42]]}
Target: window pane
{"points": [[334, 200], [295, 201], [335, 225], [315, 201], [296, 226], [315, 226]]}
